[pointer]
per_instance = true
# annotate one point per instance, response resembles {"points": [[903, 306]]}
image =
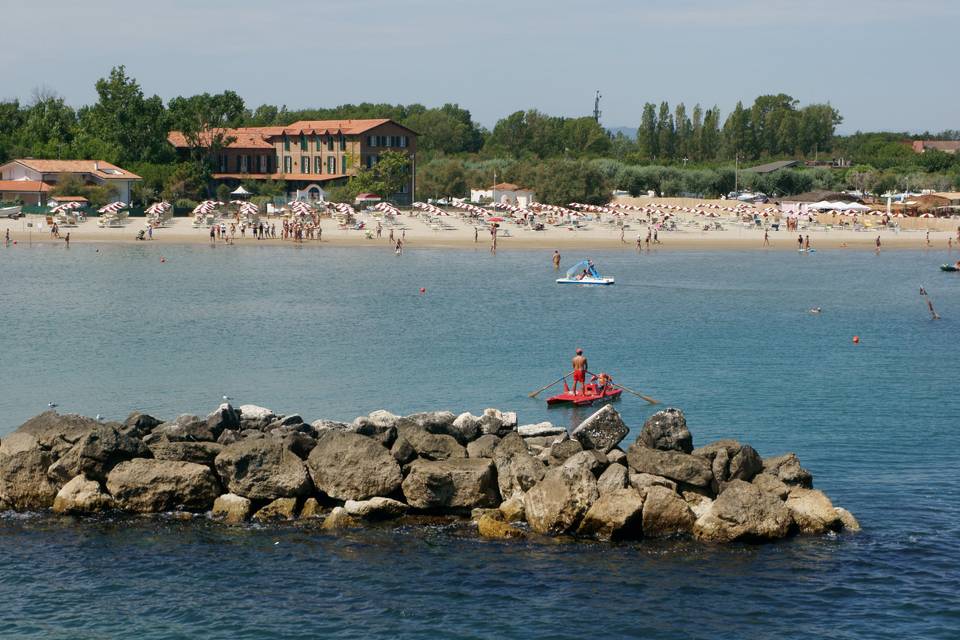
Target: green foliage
{"points": [[96, 195], [441, 178]]}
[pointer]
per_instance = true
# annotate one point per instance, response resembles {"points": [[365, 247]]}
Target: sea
{"points": [[338, 332]]}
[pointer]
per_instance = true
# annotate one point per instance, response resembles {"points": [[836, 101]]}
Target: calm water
{"points": [[338, 333]]}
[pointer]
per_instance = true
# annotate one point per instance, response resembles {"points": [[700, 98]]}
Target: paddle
{"points": [[640, 395], [636, 393], [534, 394]]}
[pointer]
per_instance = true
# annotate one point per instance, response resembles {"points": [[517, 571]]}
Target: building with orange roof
{"points": [[28, 172], [309, 155]]}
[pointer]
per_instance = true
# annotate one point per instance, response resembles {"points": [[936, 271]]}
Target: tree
{"points": [[647, 132], [684, 131], [665, 132], [393, 171], [127, 121], [47, 128], [441, 178], [737, 135], [816, 127], [585, 136], [449, 129], [709, 147]]}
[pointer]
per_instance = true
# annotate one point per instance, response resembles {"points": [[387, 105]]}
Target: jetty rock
{"points": [[251, 463]]}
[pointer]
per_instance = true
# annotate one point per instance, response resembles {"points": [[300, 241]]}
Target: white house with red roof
{"points": [[38, 177]]}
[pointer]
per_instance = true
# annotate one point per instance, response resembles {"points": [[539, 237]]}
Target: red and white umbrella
{"points": [[386, 207], [113, 207], [158, 207], [66, 206], [248, 208]]}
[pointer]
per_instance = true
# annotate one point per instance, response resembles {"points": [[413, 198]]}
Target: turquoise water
{"points": [[338, 333]]}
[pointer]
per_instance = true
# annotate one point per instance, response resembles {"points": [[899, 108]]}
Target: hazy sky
{"points": [[885, 64]]}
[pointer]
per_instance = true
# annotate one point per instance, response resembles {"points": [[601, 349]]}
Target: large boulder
{"points": [[744, 512], [667, 431], [279, 509], [592, 460], [558, 503], [231, 508], [483, 447], [381, 431], [82, 495], [146, 485], [262, 470], [186, 428], [847, 519], [558, 453], [198, 452], [468, 425], [492, 524], [517, 470], [452, 483], [139, 424], [432, 446], [255, 417], [506, 419], [675, 465], [95, 453], [348, 466], [540, 430], [602, 431], [376, 508], [641, 481], [56, 433], [771, 484], [730, 460], [812, 511], [787, 468], [224, 417], [665, 513], [24, 483], [616, 515], [613, 478], [339, 519], [402, 451]]}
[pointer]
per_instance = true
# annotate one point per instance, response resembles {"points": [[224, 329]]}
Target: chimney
{"points": [[96, 165]]}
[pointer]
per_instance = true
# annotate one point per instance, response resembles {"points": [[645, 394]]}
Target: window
{"points": [[343, 164], [263, 164], [239, 163], [304, 164], [286, 143], [405, 188], [343, 143], [287, 164], [303, 142], [331, 164], [372, 141], [317, 165], [329, 143], [403, 141]]}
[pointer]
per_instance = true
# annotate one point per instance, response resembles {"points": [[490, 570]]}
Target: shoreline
{"points": [[420, 235]]}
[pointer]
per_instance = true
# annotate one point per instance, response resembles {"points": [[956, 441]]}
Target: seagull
{"points": [[52, 405], [815, 310], [99, 417], [226, 398]]}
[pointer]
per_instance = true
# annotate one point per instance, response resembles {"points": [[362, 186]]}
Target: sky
{"points": [[885, 64]]}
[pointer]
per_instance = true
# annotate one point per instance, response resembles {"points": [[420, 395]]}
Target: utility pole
{"points": [[596, 107]]}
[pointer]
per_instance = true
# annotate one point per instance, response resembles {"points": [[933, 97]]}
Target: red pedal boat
{"points": [[586, 398]]}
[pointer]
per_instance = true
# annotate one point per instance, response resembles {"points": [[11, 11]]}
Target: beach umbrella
{"points": [[113, 207]]}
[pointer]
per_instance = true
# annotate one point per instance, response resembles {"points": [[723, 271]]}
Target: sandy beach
{"points": [[458, 232]]}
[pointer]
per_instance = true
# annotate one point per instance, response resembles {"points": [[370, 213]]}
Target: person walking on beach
{"points": [[391, 236], [379, 230], [766, 238], [928, 239], [622, 240], [67, 239], [579, 363], [556, 260], [639, 243], [878, 244], [806, 242], [800, 242], [493, 239], [476, 235], [399, 249], [656, 240], [150, 231], [6, 237], [213, 235]]}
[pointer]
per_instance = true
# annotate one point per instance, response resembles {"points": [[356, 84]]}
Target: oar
{"points": [[647, 398], [534, 394], [636, 393]]}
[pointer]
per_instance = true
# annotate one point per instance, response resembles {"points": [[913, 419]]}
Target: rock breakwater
{"points": [[514, 481]]}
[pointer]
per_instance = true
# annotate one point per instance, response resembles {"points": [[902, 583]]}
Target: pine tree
{"points": [[665, 132], [647, 133]]}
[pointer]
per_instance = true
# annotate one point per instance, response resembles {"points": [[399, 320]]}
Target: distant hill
{"points": [[630, 132]]}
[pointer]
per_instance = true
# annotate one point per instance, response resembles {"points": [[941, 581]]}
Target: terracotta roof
{"points": [[949, 146], [301, 177], [507, 186], [69, 199], [245, 138], [99, 168], [24, 186], [258, 137]]}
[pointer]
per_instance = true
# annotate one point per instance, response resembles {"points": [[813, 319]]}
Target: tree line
{"points": [[674, 150]]}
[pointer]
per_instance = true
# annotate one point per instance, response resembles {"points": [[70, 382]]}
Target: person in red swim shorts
{"points": [[579, 371]]}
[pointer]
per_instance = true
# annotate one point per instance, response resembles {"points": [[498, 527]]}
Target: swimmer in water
{"points": [[815, 310]]}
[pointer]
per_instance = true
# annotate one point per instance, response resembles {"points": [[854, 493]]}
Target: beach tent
{"points": [[240, 191]]}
